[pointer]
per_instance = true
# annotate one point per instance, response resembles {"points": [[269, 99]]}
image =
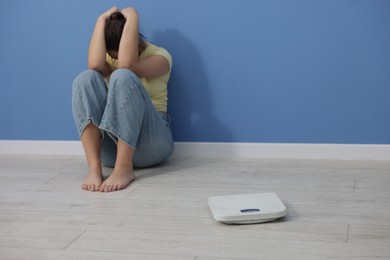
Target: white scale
{"points": [[247, 208]]}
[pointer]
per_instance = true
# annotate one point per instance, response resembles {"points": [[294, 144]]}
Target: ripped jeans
{"points": [[124, 110]]}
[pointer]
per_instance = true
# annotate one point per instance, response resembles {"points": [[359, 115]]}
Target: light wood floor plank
{"points": [[50, 254], [369, 234]]}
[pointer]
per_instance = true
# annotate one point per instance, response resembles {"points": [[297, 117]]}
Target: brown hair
{"points": [[113, 33]]}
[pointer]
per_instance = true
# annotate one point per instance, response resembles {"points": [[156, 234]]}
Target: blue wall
{"points": [[301, 71]]}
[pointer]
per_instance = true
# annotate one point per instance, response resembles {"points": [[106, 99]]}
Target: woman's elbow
{"points": [[105, 72], [94, 66], [124, 66]]}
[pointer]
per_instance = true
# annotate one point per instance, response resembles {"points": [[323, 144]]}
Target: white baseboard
{"points": [[23, 147], [237, 150], [284, 150]]}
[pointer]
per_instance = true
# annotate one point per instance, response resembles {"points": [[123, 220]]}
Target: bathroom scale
{"points": [[247, 208]]}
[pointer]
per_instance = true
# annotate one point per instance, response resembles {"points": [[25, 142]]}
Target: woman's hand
{"points": [[104, 16], [130, 13]]}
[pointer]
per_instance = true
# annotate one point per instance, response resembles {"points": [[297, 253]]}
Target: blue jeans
{"points": [[124, 110]]}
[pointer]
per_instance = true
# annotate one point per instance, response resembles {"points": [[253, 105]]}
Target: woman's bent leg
{"points": [[131, 120], [122, 120], [89, 96], [90, 139]]}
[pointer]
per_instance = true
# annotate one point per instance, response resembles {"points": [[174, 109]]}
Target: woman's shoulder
{"points": [[152, 49]]}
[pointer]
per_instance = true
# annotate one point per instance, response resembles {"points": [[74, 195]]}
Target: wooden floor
{"points": [[336, 210]]}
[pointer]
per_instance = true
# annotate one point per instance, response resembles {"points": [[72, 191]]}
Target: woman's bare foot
{"points": [[93, 181], [91, 143], [118, 180]]}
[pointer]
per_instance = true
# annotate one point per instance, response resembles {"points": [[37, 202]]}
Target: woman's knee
{"points": [[88, 75], [85, 80], [124, 76]]}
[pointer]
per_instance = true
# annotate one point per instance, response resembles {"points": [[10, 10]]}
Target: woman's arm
{"points": [[128, 56], [128, 46], [97, 46]]}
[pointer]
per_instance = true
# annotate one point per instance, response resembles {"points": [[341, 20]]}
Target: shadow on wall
{"points": [[190, 101]]}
